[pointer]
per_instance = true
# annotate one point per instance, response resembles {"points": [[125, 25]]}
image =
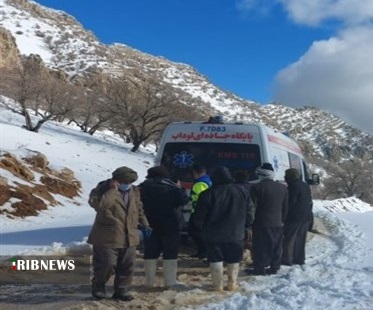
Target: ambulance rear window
{"points": [[179, 157]]}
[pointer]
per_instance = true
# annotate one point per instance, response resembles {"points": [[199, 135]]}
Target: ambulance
{"points": [[237, 146]]}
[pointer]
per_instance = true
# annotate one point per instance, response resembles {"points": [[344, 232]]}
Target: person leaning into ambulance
{"points": [[202, 182], [115, 232]]}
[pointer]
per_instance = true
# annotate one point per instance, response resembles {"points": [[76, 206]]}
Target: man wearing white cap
{"points": [[271, 203]]}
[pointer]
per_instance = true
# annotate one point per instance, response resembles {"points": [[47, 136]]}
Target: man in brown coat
{"points": [[115, 232]]}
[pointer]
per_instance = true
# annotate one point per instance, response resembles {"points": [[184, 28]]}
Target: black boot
{"points": [[123, 295], [98, 291], [256, 271], [272, 270], [300, 262]]}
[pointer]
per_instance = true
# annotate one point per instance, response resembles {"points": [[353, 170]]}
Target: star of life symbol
{"points": [[183, 159]]}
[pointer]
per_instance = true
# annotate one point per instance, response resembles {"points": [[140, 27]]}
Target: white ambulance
{"points": [[237, 146]]}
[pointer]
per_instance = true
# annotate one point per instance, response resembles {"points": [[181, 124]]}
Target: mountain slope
{"points": [[337, 273], [64, 44]]}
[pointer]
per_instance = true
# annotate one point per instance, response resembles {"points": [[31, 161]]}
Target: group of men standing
{"points": [[224, 209]]}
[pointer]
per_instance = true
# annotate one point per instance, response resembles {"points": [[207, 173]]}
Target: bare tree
{"points": [[34, 88], [92, 113], [56, 99], [120, 95], [23, 85], [351, 178], [141, 108], [150, 115]]}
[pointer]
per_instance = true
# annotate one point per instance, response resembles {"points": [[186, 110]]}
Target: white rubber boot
{"points": [[232, 270], [150, 271], [216, 270], [169, 272]]}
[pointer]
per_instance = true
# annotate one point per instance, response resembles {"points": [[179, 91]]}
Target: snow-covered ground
{"points": [[339, 269], [338, 273]]}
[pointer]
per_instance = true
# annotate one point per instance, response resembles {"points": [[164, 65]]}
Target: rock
{"points": [[29, 204], [34, 196], [38, 160], [5, 192], [10, 163], [61, 187], [9, 53], [67, 175]]}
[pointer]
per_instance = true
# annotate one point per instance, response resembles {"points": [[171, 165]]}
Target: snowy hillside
{"points": [[63, 44], [351, 204], [339, 267], [91, 158]]}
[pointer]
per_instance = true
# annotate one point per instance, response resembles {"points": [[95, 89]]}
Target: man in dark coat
{"points": [[271, 201], [115, 232], [241, 178], [298, 219], [222, 214], [163, 201]]}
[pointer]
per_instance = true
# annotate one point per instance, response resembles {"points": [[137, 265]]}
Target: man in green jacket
{"points": [[115, 232]]}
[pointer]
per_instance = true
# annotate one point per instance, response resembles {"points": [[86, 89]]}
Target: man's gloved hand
{"points": [[146, 231]]}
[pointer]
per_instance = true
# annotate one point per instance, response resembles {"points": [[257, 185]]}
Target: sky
{"points": [[339, 262], [237, 50], [296, 52]]}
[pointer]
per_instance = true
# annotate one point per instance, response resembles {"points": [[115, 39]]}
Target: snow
{"points": [[24, 25], [92, 158], [42, 35], [338, 273]]}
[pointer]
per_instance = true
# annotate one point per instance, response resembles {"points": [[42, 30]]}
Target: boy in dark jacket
{"points": [[298, 219], [222, 214], [162, 200]]}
